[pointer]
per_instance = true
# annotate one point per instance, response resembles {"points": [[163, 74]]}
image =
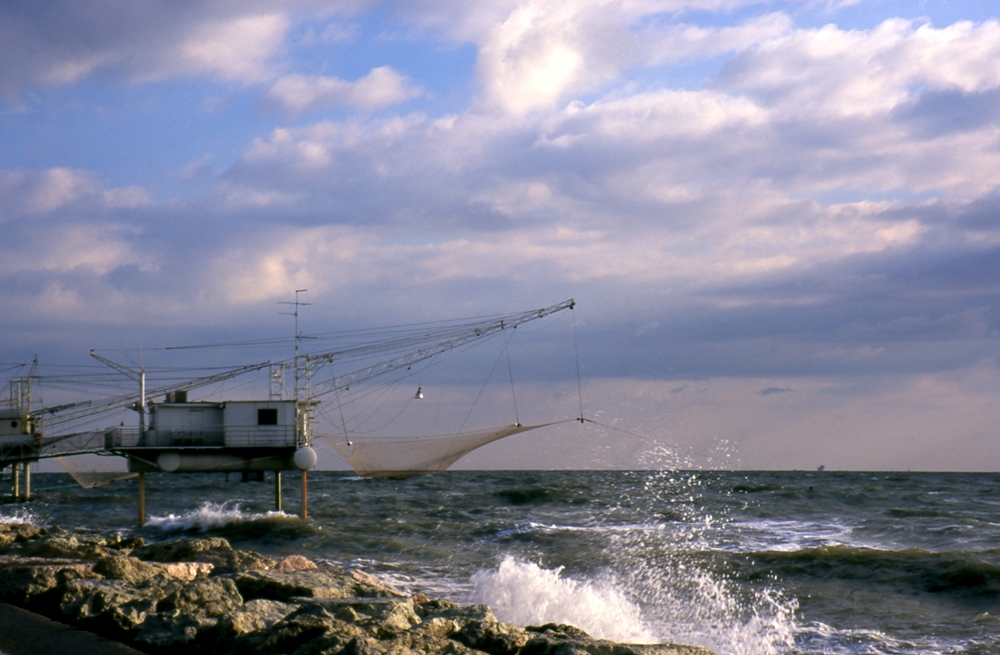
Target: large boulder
{"points": [[557, 639], [203, 597], [329, 582], [13, 532], [23, 579], [214, 550], [129, 569], [253, 616], [308, 629], [111, 608]]}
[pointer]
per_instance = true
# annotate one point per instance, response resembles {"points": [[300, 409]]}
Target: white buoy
{"points": [[169, 461], [305, 458]]}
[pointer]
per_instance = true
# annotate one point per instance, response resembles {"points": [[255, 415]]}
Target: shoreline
{"points": [[199, 595]]}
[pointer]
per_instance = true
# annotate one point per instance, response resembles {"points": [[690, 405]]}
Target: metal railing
{"points": [[239, 436]]}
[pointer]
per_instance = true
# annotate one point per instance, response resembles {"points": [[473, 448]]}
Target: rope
{"points": [[510, 372], [481, 389], [644, 437], [576, 351]]}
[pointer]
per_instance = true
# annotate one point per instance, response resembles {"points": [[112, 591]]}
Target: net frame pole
{"points": [[305, 494], [142, 498]]}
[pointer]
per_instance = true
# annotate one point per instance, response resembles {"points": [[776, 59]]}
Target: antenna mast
{"points": [[302, 372], [139, 377]]}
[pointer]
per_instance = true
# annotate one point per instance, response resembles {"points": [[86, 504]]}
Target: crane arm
{"points": [[469, 334]]}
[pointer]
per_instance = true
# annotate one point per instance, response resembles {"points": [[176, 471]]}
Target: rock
{"points": [[13, 532], [318, 583], [383, 619], [22, 579], [111, 608], [201, 596], [370, 582], [186, 570], [253, 616], [294, 563], [61, 546], [172, 632], [554, 639], [215, 551], [310, 628], [129, 569]]}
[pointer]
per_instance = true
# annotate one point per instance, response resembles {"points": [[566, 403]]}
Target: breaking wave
{"points": [[228, 520], [701, 611]]}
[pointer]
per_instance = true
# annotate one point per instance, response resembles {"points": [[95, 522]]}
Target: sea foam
{"points": [[209, 516], [527, 594], [700, 611]]}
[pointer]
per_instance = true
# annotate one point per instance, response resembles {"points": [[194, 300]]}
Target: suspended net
{"points": [[409, 456], [91, 471]]}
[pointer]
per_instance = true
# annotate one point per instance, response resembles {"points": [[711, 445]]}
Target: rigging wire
{"points": [[576, 351], [481, 389], [510, 372]]}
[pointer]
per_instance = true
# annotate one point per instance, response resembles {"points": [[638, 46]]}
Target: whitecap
{"points": [[208, 517]]}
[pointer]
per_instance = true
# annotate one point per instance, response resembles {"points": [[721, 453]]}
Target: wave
{"points": [[526, 594], [228, 520], [20, 516], [641, 606], [912, 570]]}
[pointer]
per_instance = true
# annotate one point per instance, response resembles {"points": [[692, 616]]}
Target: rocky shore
{"points": [[196, 596]]}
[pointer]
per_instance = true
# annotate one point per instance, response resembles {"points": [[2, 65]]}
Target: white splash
{"points": [[208, 517], [20, 516], [526, 594], [686, 606]]}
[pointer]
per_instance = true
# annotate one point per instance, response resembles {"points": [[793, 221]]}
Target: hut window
{"points": [[267, 417]]}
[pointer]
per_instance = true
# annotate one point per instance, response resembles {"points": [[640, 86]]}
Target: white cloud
{"points": [[676, 43], [830, 72], [25, 193], [64, 42], [382, 86], [544, 50], [235, 49], [75, 248]]}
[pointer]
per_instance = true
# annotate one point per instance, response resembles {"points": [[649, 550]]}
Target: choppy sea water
{"points": [[743, 563]]}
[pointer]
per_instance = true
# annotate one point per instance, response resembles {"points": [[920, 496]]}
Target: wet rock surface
{"points": [[203, 596]]}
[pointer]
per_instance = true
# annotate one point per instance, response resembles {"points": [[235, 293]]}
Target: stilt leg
{"points": [[305, 494], [27, 480], [277, 491], [142, 499], [16, 488]]}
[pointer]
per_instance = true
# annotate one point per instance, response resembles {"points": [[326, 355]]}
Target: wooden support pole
{"points": [[277, 491], [16, 488], [305, 494], [142, 498], [27, 480]]}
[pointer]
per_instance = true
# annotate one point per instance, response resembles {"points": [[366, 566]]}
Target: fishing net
{"points": [[408, 456], [91, 471]]}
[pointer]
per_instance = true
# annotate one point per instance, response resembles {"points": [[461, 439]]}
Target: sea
{"points": [[740, 562]]}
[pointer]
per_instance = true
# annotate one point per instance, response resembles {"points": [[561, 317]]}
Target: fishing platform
{"points": [[176, 434]]}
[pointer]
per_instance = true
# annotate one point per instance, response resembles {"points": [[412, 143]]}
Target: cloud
{"points": [[28, 193], [833, 73], [382, 87], [65, 42], [543, 50]]}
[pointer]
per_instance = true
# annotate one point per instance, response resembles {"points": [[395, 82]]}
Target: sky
{"points": [[779, 219]]}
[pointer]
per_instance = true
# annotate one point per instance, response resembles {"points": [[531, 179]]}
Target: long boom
{"points": [[435, 346], [128, 400]]}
